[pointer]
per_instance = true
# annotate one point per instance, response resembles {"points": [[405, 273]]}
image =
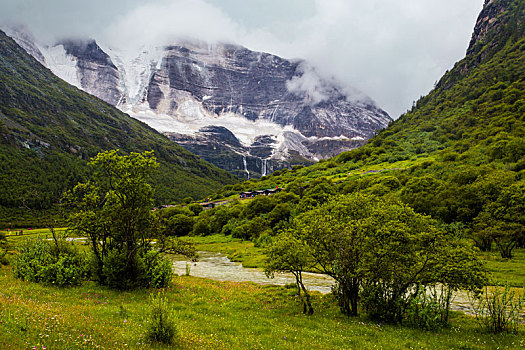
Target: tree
{"points": [[259, 205], [281, 212], [179, 225], [3, 249], [288, 254], [382, 252], [504, 219], [114, 211], [195, 208]]}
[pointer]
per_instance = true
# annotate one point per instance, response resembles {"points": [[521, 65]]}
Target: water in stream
{"points": [[218, 267]]}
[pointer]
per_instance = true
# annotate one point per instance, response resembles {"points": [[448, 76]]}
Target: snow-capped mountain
{"points": [[247, 112]]}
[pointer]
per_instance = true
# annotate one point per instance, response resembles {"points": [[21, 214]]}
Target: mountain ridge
{"points": [[50, 129], [182, 88]]}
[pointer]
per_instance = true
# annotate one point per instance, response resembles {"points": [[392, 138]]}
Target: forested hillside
{"points": [[457, 155], [49, 130]]}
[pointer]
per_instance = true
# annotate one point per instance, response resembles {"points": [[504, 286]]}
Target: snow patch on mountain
{"points": [[191, 117], [63, 65], [135, 70]]}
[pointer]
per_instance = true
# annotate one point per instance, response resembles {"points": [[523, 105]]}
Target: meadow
{"points": [[500, 271], [209, 315]]}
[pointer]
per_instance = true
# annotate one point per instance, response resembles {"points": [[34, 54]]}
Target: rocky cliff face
{"points": [[232, 79], [248, 112], [96, 72], [487, 21]]}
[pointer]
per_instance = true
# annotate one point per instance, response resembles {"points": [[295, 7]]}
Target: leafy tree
{"points": [[195, 208], [259, 205], [179, 225], [383, 252], [281, 212], [288, 254], [251, 229], [114, 211], [201, 227], [221, 216], [504, 219]]}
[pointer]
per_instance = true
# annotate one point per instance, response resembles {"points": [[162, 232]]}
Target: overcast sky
{"points": [[394, 51]]}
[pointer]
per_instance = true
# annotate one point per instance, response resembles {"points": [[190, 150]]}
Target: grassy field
{"points": [[504, 271], [209, 315], [501, 271], [235, 249]]}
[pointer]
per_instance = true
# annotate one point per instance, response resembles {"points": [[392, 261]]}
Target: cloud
{"points": [[163, 22], [391, 50], [309, 85]]}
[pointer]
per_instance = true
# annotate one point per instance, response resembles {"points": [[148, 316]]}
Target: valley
{"points": [[379, 233]]}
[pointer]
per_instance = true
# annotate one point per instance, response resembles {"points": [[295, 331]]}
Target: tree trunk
{"points": [[299, 283], [306, 303]]}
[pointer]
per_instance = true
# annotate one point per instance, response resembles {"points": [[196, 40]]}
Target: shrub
{"points": [[259, 205], [202, 226], [158, 270], [195, 208], [119, 271], [251, 229], [499, 311], [429, 311], [160, 327], [147, 269], [179, 225], [42, 262]]}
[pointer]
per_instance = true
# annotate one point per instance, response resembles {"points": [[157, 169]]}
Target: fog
{"points": [[392, 51]]}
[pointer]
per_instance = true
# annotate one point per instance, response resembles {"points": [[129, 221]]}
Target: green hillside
{"points": [[457, 155], [49, 130]]}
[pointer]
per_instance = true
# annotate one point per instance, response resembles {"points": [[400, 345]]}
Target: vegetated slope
{"points": [[477, 109], [49, 130], [458, 155], [272, 112]]}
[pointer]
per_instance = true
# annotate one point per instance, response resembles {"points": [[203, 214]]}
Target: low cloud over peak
{"points": [[393, 51]]}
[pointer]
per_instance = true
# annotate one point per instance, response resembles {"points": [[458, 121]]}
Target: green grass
{"points": [[503, 271], [235, 249], [209, 315], [38, 232], [15, 236]]}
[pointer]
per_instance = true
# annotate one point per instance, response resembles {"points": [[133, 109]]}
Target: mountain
{"points": [[49, 130], [280, 111], [458, 155]]}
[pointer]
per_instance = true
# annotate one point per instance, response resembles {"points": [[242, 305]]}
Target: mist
{"points": [[392, 51]]}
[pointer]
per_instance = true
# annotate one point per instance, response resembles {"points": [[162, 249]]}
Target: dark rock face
{"points": [[284, 112], [487, 21], [220, 147], [98, 75], [229, 78]]}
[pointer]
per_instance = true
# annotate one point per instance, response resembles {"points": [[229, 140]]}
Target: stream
{"points": [[217, 266]]}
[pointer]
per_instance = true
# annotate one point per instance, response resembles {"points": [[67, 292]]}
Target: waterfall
{"points": [[263, 167], [245, 166]]}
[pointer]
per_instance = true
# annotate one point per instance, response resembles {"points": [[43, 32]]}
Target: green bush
{"points": [[195, 208], [146, 269], [160, 326], [158, 270], [44, 262], [179, 225], [251, 229], [117, 273], [201, 227], [429, 311], [499, 311]]}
